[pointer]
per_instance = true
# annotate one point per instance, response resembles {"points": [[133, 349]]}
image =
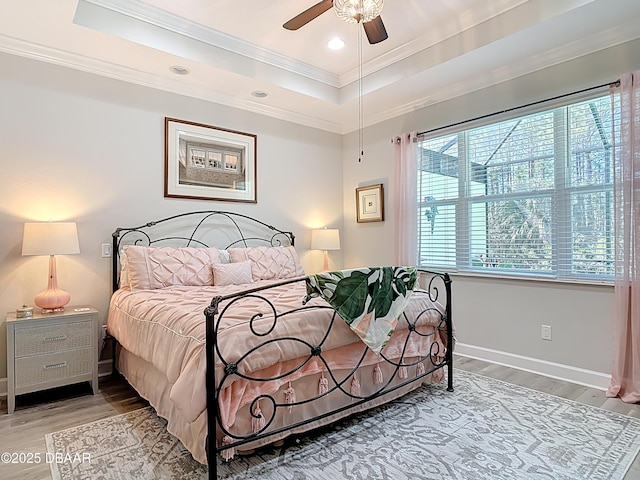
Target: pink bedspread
{"points": [[166, 327]]}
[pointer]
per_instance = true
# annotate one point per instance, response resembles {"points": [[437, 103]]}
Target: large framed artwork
{"points": [[209, 163], [370, 203]]}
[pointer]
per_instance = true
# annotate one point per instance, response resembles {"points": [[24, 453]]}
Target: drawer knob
{"points": [[55, 339], [55, 365]]}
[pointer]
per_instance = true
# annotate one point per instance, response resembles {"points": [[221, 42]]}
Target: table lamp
{"points": [[51, 238], [325, 239]]}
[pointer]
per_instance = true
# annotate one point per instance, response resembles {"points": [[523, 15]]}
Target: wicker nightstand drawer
{"points": [[53, 338], [54, 366], [50, 350]]}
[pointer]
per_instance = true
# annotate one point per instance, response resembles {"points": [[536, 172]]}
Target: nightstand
{"points": [[51, 350]]}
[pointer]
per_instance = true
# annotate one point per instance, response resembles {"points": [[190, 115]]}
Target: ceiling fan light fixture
{"points": [[356, 11]]}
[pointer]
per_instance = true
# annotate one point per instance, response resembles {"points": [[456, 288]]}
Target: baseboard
{"points": [[587, 378]]}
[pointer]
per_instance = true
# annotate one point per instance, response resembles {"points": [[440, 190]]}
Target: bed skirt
{"points": [[153, 386]]}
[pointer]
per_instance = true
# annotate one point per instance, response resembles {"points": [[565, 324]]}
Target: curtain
{"points": [[405, 161], [625, 378]]}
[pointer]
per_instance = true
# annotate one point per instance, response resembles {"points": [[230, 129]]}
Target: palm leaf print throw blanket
{"points": [[369, 300]]}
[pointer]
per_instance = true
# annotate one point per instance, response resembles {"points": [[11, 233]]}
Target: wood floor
{"points": [[65, 407], [38, 414]]}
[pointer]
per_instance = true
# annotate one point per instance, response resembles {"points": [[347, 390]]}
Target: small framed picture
{"points": [[209, 163], [370, 203]]}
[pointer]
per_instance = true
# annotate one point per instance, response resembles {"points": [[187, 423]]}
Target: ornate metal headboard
{"points": [[208, 228]]}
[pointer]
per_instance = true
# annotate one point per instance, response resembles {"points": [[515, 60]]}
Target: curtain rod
{"points": [[610, 84]]}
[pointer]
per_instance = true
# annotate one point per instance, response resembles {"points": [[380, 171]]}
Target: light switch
{"points": [[106, 250]]}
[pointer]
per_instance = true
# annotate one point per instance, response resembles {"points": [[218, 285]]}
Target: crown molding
{"points": [[163, 19], [605, 39], [85, 64], [440, 82]]}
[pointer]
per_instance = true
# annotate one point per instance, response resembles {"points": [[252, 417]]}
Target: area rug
{"points": [[486, 429]]}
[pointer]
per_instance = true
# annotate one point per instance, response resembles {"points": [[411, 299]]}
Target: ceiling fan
{"points": [[374, 28]]}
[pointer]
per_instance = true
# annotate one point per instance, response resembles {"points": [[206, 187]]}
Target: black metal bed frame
{"points": [[142, 234], [220, 305]]}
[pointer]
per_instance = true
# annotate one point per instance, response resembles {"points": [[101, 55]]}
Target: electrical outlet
{"points": [[106, 250], [546, 332]]}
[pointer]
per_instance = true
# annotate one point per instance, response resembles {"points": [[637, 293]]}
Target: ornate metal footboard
{"points": [[436, 289]]}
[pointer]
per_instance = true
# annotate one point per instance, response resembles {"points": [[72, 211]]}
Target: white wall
{"points": [[88, 149], [499, 319]]}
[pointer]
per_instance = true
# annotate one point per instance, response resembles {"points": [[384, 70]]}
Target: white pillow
{"points": [[224, 256], [124, 271], [232, 273]]}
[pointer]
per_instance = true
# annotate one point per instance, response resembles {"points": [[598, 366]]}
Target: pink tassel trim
{"points": [[419, 369], [323, 385], [257, 420], [403, 373], [229, 453], [355, 387], [290, 397], [377, 375]]}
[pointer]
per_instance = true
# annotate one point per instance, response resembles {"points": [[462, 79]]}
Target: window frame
{"points": [[561, 197]]}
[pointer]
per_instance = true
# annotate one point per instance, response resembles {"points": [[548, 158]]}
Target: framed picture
{"points": [[370, 203], [208, 163]]}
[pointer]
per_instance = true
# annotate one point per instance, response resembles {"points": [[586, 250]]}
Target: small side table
{"points": [[50, 350]]}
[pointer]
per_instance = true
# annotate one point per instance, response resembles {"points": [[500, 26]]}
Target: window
{"points": [[530, 196], [214, 157], [197, 158], [231, 162], [215, 160]]}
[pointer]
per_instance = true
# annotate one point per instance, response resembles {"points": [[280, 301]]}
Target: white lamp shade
{"points": [[50, 238], [325, 239]]}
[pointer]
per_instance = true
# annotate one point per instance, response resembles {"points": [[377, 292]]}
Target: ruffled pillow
{"points": [[158, 267], [269, 263]]}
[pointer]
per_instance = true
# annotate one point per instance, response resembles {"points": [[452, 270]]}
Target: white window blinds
{"points": [[530, 195]]}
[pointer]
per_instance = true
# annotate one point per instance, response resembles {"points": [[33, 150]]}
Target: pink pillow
{"points": [[269, 263], [232, 273], [158, 267]]}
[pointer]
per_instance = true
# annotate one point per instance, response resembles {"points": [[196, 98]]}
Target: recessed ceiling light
{"points": [[178, 70], [259, 94], [335, 43]]}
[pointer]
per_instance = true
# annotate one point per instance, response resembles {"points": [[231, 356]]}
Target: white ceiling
{"points": [[437, 49]]}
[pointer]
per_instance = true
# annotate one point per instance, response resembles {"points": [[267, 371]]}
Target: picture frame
{"points": [[370, 203], [204, 162]]}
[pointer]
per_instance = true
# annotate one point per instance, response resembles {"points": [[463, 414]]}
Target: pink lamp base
{"points": [[325, 265], [53, 299]]}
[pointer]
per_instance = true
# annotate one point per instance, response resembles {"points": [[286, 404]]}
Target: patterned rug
{"points": [[486, 429]]}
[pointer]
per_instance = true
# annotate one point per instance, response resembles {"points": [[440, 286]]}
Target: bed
{"points": [[237, 348]]}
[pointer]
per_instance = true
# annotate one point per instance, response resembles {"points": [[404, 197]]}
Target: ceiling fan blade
{"points": [[375, 30], [308, 15]]}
